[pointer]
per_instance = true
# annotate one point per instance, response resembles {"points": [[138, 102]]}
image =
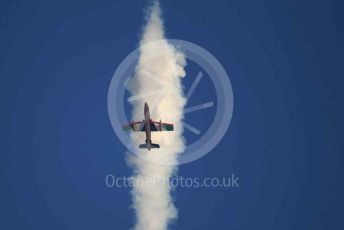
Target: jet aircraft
{"points": [[148, 125]]}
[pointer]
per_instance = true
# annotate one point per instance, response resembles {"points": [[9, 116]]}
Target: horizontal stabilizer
{"points": [[149, 146]]}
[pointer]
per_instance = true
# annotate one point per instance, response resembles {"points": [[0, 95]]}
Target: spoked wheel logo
{"points": [[210, 67]]}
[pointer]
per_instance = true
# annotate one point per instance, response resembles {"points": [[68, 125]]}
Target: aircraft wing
{"points": [[159, 126], [136, 126]]}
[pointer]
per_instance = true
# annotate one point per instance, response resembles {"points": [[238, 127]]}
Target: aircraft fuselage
{"points": [[147, 122]]}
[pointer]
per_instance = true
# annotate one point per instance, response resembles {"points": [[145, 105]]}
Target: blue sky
{"points": [[285, 61]]}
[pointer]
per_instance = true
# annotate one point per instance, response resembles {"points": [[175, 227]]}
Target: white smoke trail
{"points": [[160, 69]]}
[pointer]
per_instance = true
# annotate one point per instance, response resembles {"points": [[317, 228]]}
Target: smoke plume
{"points": [[157, 81]]}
